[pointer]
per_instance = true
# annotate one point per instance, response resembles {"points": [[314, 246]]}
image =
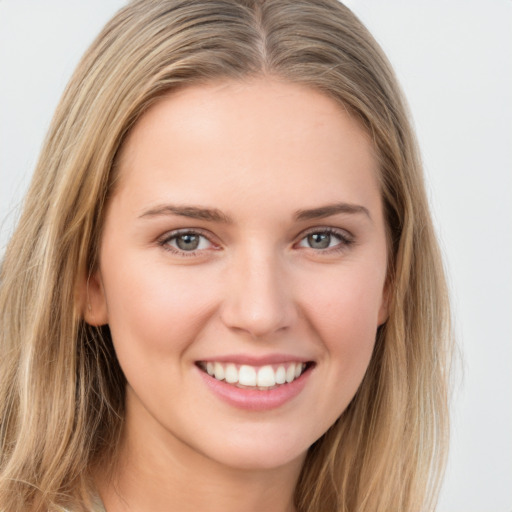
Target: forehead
{"points": [[260, 136]]}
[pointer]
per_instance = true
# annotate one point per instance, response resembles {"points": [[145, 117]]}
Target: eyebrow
{"points": [[331, 209], [215, 215], [192, 212]]}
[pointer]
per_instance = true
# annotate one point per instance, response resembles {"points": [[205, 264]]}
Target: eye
{"points": [[186, 241], [326, 239]]}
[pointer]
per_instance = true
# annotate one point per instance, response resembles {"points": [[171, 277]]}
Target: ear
{"points": [[384, 305], [94, 304]]}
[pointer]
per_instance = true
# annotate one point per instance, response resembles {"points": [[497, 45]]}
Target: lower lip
{"points": [[255, 399]]}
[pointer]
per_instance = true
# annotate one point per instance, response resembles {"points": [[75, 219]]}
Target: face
{"points": [[242, 270]]}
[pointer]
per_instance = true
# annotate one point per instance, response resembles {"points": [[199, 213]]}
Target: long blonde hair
{"points": [[61, 388]]}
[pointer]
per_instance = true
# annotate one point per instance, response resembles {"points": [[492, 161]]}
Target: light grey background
{"points": [[454, 60]]}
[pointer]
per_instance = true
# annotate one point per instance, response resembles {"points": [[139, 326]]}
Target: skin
{"points": [[257, 151]]}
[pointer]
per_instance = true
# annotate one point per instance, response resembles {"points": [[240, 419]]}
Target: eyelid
{"points": [[327, 229], [163, 241], [346, 238]]}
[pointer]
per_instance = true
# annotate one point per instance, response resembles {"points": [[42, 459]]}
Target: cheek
{"points": [[344, 312], [154, 310], [352, 295]]}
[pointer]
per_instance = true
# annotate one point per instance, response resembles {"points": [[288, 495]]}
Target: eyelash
{"points": [[174, 235], [345, 240]]}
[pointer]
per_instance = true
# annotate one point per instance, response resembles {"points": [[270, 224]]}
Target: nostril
{"points": [[257, 318]]}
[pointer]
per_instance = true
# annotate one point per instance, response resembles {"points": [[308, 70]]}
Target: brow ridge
{"points": [[331, 209], [193, 212], [216, 215]]}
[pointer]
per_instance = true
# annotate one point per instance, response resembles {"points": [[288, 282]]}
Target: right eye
{"points": [[186, 242]]}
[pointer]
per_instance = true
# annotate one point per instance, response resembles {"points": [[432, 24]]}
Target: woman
{"points": [[225, 291]]}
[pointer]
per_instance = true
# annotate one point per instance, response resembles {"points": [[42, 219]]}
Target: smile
{"points": [[263, 378]]}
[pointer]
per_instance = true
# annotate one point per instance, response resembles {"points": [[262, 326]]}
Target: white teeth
{"points": [[264, 377], [290, 373], [281, 375], [247, 376], [231, 374], [219, 371]]}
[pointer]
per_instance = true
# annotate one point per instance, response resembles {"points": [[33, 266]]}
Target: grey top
{"points": [[97, 505]]}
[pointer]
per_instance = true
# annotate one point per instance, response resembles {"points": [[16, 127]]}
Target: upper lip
{"points": [[256, 360]]}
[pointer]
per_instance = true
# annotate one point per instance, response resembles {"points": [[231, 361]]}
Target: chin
{"points": [[258, 451]]}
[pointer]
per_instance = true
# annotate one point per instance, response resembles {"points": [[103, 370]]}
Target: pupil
{"points": [[319, 240], [187, 242]]}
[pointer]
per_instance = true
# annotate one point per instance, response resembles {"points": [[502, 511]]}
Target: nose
{"points": [[259, 298]]}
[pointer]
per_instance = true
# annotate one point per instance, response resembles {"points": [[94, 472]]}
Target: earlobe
{"points": [[94, 304], [384, 305]]}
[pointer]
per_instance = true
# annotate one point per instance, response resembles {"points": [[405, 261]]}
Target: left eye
{"points": [[187, 242], [323, 240]]}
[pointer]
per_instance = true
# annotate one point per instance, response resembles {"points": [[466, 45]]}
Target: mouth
{"points": [[263, 378]]}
